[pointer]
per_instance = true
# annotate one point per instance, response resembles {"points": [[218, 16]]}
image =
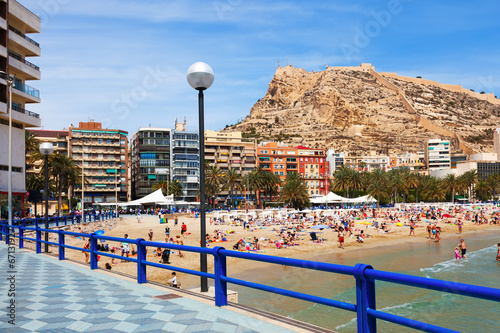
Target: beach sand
{"points": [[306, 248]]}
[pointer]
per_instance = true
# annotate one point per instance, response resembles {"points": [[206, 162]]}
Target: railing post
{"points": [[38, 240], [141, 258], [57, 221], [365, 298], [1, 231], [7, 232], [93, 250], [65, 220], [220, 270], [36, 222], [61, 245], [21, 236]]}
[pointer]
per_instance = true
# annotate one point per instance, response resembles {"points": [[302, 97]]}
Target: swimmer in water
{"points": [[498, 253]]}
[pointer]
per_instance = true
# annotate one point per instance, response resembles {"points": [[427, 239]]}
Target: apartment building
{"points": [[314, 168], [59, 139], [335, 161], [437, 155], [16, 22], [230, 151], [150, 159], [368, 162], [310, 163], [186, 160], [102, 154]]}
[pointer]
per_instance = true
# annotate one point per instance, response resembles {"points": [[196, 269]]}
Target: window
{"points": [[281, 173], [99, 156]]}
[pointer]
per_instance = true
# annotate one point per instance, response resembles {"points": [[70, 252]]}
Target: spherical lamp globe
{"points": [[200, 76], [46, 148]]}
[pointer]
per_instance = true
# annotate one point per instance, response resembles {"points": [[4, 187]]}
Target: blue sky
{"points": [[124, 62]]}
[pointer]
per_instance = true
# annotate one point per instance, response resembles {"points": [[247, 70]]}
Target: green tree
{"points": [[169, 187], [452, 183], [433, 189], [378, 185], [294, 192], [63, 169], [232, 179], [214, 177]]}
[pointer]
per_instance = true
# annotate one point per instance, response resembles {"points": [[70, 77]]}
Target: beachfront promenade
{"points": [[60, 296]]}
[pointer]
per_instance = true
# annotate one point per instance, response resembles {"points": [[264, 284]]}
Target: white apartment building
{"points": [[15, 46], [438, 155]]}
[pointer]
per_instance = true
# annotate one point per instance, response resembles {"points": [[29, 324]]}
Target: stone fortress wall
{"points": [[450, 87], [423, 121]]}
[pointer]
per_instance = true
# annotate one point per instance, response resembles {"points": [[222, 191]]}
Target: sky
{"points": [[124, 62]]}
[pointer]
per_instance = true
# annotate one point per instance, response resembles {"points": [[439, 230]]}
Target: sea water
{"points": [[427, 259]]}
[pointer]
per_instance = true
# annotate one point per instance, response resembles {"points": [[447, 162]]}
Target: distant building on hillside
{"points": [[437, 155]]}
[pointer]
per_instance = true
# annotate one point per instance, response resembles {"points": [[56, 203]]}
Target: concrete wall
{"points": [[18, 158]]}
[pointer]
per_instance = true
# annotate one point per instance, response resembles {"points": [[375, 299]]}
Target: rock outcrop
{"points": [[357, 109]]}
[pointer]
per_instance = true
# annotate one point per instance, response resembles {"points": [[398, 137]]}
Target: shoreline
{"points": [[306, 250]]}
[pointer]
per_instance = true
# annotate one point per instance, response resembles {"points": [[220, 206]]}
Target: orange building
{"points": [[310, 163]]}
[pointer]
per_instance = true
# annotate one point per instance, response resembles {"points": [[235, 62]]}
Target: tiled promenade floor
{"points": [[59, 296]]}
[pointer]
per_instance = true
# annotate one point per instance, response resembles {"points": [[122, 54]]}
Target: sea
{"points": [[427, 259]]}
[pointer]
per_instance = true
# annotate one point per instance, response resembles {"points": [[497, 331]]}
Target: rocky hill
{"points": [[356, 109]]}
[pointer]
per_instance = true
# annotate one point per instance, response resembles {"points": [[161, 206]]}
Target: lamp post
{"points": [[46, 149], [10, 83], [200, 76]]}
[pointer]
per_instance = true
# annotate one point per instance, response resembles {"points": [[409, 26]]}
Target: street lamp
{"points": [[200, 76], [10, 83], [46, 149]]}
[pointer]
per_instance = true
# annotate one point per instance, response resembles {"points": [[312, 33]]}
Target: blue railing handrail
{"points": [[65, 219], [365, 275]]}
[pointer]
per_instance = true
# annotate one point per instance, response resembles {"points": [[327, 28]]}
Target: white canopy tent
{"points": [[335, 198], [156, 197]]}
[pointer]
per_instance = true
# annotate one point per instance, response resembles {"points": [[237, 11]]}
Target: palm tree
{"points": [[213, 180], [469, 179], [412, 181], [378, 185], [294, 192], [270, 183], [397, 183], [494, 181], [62, 169], [341, 180], [452, 183], [232, 180], [169, 187], [482, 190], [433, 189]]}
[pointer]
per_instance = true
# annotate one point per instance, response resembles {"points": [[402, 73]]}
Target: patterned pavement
{"points": [[58, 296]]}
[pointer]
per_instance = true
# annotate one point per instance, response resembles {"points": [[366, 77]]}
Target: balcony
{"points": [[22, 66], [30, 94], [29, 113], [29, 47]]}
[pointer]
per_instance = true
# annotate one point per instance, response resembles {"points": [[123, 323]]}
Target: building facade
{"points": [[437, 155], [314, 168], [231, 151], [102, 155], [335, 161], [150, 159], [186, 160], [15, 46], [310, 163]]}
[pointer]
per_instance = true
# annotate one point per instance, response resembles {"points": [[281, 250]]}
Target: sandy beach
{"points": [[305, 248]]}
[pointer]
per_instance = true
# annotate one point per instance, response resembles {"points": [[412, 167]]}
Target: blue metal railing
{"points": [[364, 275], [64, 220]]}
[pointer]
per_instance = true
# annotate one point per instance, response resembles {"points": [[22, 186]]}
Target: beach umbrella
{"points": [[99, 232], [447, 216]]}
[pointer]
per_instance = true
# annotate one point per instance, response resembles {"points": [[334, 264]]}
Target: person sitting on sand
{"points": [[107, 266]]}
